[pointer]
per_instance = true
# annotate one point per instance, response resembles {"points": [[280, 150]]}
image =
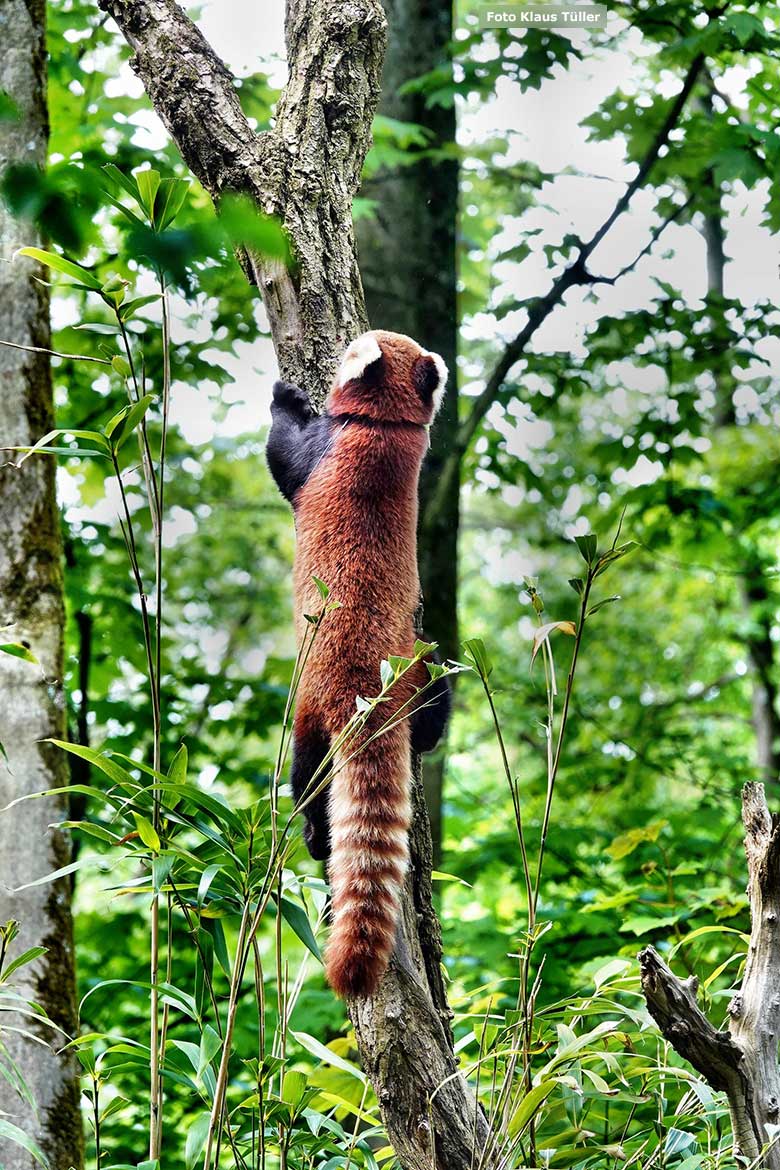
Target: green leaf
{"points": [[386, 674], [114, 290], [475, 647], [134, 219], [20, 1138], [297, 918], [130, 308], [588, 546], [56, 874], [324, 590], [107, 766], [423, 649], [91, 830], [216, 930], [122, 367], [529, 1107], [42, 444], [294, 1087], [438, 876], [17, 650], [9, 111], [96, 327], [197, 1132], [614, 554], [28, 956], [161, 871], [147, 832], [600, 604], [328, 1057], [245, 225], [127, 425], [60, 264], [625, 844], [168, 201], [147, 182], [678, 1140], [122, 181], [210, 1045], [206, 878], [177, 774]]}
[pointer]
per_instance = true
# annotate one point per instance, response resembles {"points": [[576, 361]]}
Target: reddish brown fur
{"points": [[356, 519]]}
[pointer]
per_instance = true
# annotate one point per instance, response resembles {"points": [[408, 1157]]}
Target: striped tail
{"points": [[369, 823]]}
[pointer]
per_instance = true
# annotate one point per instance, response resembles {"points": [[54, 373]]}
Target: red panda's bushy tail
{"points": [[369, 822]]}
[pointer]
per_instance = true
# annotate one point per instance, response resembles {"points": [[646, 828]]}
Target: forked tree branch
{"points": [[742, 1062], [306, 171]]}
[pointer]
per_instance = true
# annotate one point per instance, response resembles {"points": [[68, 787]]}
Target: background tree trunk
{"points": [[306, 171], [32, 608], [407, 254], [758, 601]]}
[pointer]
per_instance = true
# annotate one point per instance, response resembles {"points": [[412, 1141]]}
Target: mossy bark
{"points": [[32, 707]]}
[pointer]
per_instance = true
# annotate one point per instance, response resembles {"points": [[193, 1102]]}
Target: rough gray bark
{"points": [[413, 290], [32, 611], [306, 171], [742, 1062]]}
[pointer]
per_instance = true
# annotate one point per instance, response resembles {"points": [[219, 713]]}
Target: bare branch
{"points": [[656, 234], [742, 1062], [70, 357], [671, 1002]]}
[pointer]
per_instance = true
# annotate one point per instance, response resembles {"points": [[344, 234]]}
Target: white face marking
{"points": [[361, 353], [438, 393]]}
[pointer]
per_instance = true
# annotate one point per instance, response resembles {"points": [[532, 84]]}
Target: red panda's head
{"points": [[389, 377]]}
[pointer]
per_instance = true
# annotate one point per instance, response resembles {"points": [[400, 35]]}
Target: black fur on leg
{"points": [[430, 719], [310, 747]]}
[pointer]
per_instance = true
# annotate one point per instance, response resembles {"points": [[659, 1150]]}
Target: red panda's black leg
{"points": [[430, 719], [298, 438], [310, 747]]}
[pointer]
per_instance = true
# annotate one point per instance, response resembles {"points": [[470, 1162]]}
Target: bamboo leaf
{"points": [[20, 1138], [17, 650], [297, 918], [59, 264], [328, 1057]]}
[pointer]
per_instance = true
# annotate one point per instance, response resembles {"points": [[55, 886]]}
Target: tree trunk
{"points": [[407, 256], [306, 171], [756, 598], [32, 704], [743, 1062], [760, 610]]}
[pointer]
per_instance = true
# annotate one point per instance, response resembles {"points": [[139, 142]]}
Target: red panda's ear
{"points": [[363, 354], [429, 377]]}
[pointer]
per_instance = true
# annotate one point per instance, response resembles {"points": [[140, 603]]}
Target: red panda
{"points": [[352, 477]]}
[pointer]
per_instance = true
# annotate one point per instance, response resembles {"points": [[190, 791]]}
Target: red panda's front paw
{"points": [[293, 399]]}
